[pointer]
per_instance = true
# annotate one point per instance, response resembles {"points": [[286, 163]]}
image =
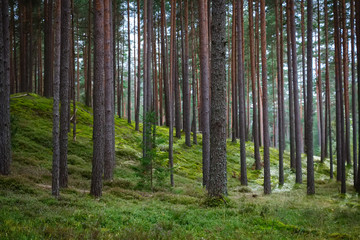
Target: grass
{"points": [[129, 211]]}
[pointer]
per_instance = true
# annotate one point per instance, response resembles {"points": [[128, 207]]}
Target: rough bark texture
{"points": [[205, 87], [218, 175], [109, 148], [99, 109], [267, 184], [303, 63], [56, 104], [309, 120], [64, 89], [5, 134], [241, 81]]}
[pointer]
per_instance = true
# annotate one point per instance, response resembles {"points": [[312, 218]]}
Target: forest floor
{"points": [[128, 209]]}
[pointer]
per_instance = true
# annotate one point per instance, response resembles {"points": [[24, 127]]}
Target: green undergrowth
{"points": [[127, 210]]}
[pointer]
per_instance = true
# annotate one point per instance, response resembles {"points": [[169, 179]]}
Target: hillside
{"points": [[129, 210]]}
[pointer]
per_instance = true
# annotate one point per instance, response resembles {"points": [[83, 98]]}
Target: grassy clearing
{"points": [[129, 211]]}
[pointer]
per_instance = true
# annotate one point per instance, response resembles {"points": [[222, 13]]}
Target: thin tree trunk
{"points": [[129, 66], [170, 86], [137, 110], [234, 112], [48, 48], [353, 89], [303, 64], [56, 104], [253, 88], [205, 88], [88, 93], [357, 7], [309, 120], [346, 85], [64, 89], [109, 134], [291, 97], [241, 81], [164, 63], [279, 92], [267, 184], [193, 71]]}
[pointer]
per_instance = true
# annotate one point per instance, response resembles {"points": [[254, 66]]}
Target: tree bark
{"points": [[56, 104], [357, 7], [129, 66], [296, 95], [137, 110], [218, 176], [267, 184], [109, 147], [64, 89], [5, 133], [99, 108], [241, 81], [48, 48], [88, 93], [309, 120], [205, 87], [253, 88], [303, 64]]}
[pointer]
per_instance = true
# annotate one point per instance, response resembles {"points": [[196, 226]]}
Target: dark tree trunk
{"points": [[5, 134], [218, 175], [241, 81], [48, 48], [267, 184], [177, 94], [64, 89], [205, 88], [56, 105], [129, 66], [88, 93], [296, 95], [164, 62], [320, 101], [346, 84], [234, 105], [327, 81], [280, 93], [357, 7], [170, 88], [99, 108], [185, 72], [137, 110], [353, 90], [290, 79], [194, 75], [109, 147], [253, 88], [339, 103], [303, 63], [309, 120]]}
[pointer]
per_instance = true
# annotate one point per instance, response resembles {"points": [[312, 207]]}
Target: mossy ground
{"points": [[127, 211]]}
